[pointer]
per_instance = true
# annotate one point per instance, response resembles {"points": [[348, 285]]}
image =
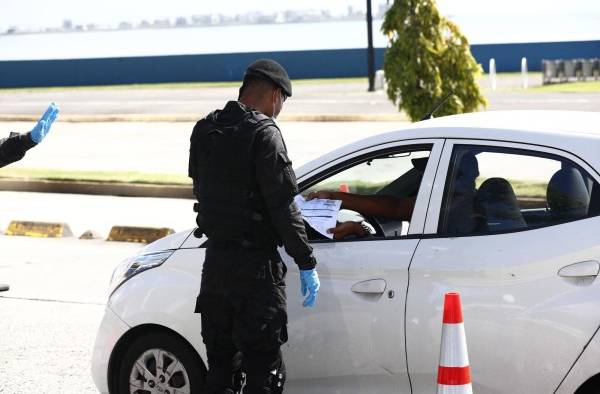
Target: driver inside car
{"points": [[382, 206], [393, 203]]}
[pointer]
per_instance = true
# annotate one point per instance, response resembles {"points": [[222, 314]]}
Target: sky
{"points": [[38, 13]]}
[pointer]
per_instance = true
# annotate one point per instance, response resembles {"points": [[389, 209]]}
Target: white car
{"points": [[506, 212]]}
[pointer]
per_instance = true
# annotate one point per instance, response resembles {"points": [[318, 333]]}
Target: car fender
{"points": [[165, 296]]}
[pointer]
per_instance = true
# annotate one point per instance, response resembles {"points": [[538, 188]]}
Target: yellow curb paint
{"points": [[137, 234], [39, 229]]}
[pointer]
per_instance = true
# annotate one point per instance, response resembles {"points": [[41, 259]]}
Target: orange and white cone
{"points": [[454, 372]]}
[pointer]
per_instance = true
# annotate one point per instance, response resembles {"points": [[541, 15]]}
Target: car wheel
{"points": [[160, 363]]}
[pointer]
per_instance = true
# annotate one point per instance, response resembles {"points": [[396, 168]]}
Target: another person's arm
{"points": [[14, 147]]}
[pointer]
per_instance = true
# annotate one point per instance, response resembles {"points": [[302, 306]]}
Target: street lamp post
{"points": [[370, 49]]}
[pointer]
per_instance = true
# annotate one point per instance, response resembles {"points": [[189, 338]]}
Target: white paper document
{"points": [[320, 214]]}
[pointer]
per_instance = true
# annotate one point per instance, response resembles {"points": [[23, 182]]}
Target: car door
{"points": [[352, 341], [514, 229]]}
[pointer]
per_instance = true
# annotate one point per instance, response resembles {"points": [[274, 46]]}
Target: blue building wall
{"points": [[230, 67], [508, 56]]}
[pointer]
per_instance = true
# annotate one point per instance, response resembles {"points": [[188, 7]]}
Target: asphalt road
{"points": [[337, 98], [322, 98], [50, 315]]}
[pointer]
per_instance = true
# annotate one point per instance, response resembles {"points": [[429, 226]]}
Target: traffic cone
{"points": [[454, 373]]}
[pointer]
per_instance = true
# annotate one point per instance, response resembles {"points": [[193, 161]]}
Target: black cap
{"points": [[272, 71]]}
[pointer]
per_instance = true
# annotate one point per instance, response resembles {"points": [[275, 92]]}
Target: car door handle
{"points": [[581, 269], [371, 286]]}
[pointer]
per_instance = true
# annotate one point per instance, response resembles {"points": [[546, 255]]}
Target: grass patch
{"points": [[569, 87], [522, 189], [96, 176], [176, 85], [531, 189]]}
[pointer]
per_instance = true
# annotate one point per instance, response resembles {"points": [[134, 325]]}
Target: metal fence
{"points": [[566, 70]]}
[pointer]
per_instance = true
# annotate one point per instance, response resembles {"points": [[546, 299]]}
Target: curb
{"points": [[138, 234], [62, 230], [97, 188], [148, 118]]}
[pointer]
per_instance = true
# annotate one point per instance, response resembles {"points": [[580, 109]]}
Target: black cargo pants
{"points": [[243, 306]]}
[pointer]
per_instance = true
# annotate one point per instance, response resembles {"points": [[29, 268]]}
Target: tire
{"points": [[591, 386], [140, 366]]}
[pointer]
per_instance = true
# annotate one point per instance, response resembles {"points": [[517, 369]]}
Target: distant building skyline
{"points": [[16, 14], [482, 18], [38, 14], [220, 19]]}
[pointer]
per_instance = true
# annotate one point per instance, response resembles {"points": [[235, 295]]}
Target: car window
{"points": [[393, 174], [492, 190]]}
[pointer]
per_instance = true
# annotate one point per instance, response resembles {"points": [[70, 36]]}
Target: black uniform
{"points": [[245, 184], [14, 147]]}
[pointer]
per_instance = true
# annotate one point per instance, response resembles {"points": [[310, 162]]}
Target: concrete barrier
{"points": [[137, 234], [39, 229]]}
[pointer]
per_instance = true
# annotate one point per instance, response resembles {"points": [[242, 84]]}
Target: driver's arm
{"points": [[346, 229], [388, 207]]}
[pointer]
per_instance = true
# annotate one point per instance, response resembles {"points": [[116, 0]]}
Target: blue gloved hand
{"points": [[309, 282], [43, 125]]}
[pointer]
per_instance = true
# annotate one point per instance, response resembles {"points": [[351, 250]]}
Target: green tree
{"points": [[428, 57]]}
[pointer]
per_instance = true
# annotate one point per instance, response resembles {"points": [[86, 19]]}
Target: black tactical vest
{"points": [[230, 207]]}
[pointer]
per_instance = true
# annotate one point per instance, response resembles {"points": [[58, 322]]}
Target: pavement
{"points": [[313, 99], [341, 100], [50, 315]]}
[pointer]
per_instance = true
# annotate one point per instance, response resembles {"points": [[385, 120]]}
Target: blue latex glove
{"points": [[309, 282], [43, 125]]}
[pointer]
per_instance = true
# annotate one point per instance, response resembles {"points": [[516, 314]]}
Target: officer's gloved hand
{"points": [[309, 282], [43, 125]]}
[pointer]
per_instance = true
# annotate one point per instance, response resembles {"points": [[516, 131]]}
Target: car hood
{"points": [[173, 241]]}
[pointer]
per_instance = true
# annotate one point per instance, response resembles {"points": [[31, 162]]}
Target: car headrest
{"points": [[497, 202], [567, 194]]}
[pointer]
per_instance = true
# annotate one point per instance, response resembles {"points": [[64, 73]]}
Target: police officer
{"points": [[245, 184], [14, 147]]}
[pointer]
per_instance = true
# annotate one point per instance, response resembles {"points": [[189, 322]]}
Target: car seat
{"points": [[497, 203], [567, 194]]}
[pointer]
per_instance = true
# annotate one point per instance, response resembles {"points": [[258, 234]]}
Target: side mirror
{"points": [[4, 287]]}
